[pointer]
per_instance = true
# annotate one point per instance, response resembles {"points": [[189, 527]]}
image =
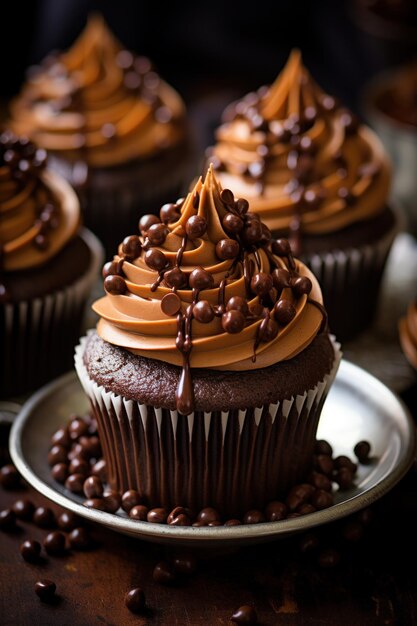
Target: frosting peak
{"points": [[300, 157], [207, 287], [39, 212], [99, 102]]}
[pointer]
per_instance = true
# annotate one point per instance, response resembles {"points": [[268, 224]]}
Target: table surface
{"points": [[375, 582]]}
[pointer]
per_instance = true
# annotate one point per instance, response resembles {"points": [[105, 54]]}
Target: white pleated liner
{"points": [[40, 334], [234, 460], [350, 281]]}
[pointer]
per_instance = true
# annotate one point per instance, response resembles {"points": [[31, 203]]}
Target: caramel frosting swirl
{"points": [[99, 102], [300, 157], [207, 287], [39, 212], [408, 334]]}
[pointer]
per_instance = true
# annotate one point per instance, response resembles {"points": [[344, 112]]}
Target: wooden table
{"points": [[370, 586]]}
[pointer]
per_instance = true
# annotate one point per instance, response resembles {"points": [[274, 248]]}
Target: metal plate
{"points": [[358, 407]]}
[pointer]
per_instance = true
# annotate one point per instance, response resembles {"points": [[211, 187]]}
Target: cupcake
{"points": [[315, 174], [211, 359], [112, 127], [47, 268], [408, 334], [389, 102]]}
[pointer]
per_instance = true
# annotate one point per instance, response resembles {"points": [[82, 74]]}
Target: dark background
{"points": [[203, 48]]}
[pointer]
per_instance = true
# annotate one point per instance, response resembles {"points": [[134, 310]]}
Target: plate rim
{"points": [[239, 534]]}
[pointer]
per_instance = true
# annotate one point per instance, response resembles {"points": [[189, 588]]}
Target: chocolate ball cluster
{"points": [[139, 78], [25, 161], [75, 461], [20, 155], [246, 235]]}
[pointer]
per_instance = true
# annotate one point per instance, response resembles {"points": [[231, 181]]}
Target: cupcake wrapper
{"points": [[350, 282], [233, 460], [114, 199], [39, 335]]}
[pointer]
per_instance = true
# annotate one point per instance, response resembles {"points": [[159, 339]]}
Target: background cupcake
{"points": [[314, 173], [408, 333], [389, 102], [113, 128], [211, 360], [47, 268]]}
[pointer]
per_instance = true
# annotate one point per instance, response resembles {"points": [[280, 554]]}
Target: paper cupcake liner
{"points": [[114, 199], [350, 281], [38, 335], [233, 460]]}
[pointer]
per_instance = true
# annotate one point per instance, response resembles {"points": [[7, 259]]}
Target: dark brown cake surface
{"points": [[61, 271], [154, 382]]}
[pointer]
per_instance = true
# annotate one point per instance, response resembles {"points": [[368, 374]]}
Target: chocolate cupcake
{"points": [[112, 127], [408, 334], [211, 360], [315, 174], [47, 268]]}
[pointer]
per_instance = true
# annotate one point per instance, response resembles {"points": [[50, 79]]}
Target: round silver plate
{"points": [[358, 407]]}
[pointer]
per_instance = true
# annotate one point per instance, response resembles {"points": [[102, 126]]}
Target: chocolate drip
{"points": [[178, 259], [320, 307], [185, 394], [261, 332]]}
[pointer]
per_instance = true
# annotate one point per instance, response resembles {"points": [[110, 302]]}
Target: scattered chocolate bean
{"points": [[306, 509], [180, 517], [300, 494], [157, 516], [345, 461], [275, 511], [61, 438], [320, 481], [9, 477], [99, 469], [362, 451], [91, 446], [67, 521], [75, 482], [135, 600], [130, 499], [23, 509], [77, 427], [54, 543], [164, 574], [45, 589], [79, 539], [30, 550], [254, 517], [7, 520], [44, 517], [57, 454], [324, 464], [95, 503], [184, 564], [308, 543], [112, 501], [328, 558], [208, 515], [321, 499], [93, 487], [232, 522], [323, 447], [245, 614], [79, 465], [139, 512], [344, 478], [60, 472]]}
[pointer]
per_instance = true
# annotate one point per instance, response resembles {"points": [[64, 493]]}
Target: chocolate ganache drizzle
{"points": [[99, 103], [304, 161], [39, 212], [205, 286]]}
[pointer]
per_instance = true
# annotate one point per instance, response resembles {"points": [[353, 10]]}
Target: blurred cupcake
{"points": [[390, 106], [408, 334], [113, 128], [211, 360], [316, 175], [47, 268]]}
